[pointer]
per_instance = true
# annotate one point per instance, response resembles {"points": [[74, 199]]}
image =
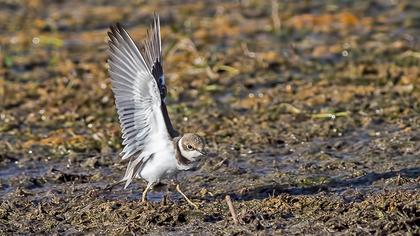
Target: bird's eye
{"points": [[189, 147]]}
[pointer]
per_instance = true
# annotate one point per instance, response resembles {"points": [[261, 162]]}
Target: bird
{"points": [[155, 150]]}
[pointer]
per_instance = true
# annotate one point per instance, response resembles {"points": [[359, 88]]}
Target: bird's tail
{"points": [[134, 167]]}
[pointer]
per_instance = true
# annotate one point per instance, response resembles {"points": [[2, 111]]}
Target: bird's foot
{"points": [[144, 201], [186, 198]]}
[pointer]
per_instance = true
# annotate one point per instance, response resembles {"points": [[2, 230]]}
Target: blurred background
{"points": [[309, 101]]}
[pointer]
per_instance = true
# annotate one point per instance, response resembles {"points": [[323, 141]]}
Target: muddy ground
{"points": [[310, 110]]}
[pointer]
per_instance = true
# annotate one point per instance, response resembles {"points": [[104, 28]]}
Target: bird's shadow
{"points": [[337, 185]]}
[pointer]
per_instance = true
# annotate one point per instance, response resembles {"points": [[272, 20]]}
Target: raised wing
{"points": [[152, 53], [137, 96]]}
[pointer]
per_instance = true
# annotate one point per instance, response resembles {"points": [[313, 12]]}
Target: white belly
{"points": [[161, 165]]}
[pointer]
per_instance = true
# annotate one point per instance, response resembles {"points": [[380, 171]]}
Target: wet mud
{"points": [[310, 111]]}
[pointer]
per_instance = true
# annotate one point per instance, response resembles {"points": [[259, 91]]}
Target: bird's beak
{"points": [[203, 153]]}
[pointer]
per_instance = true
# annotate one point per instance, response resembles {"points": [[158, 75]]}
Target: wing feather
{"points": [[153, 57], [137, 96]]}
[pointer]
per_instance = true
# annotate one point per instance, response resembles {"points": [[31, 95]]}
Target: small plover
{"points": [[155, 150]]}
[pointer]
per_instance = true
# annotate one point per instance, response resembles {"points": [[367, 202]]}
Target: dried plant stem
{"points": [[231, 209], [275, 15]]}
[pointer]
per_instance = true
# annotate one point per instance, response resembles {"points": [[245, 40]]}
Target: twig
{"points": [[246, 51], [231, 209], [111, 186], [219, 164], [331, 115], [275, 15], [411, 54]]}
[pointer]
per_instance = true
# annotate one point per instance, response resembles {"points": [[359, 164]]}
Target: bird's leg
{"points": [[144, 196], [165, 198], [186, 198]]}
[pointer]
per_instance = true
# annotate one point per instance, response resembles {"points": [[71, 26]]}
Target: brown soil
{"points": [[310, 111]]}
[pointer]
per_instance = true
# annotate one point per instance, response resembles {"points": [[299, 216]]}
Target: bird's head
{"points": [[191, 147]]}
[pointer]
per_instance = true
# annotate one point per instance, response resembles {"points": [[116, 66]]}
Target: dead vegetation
{"points": [[310, 111]]}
